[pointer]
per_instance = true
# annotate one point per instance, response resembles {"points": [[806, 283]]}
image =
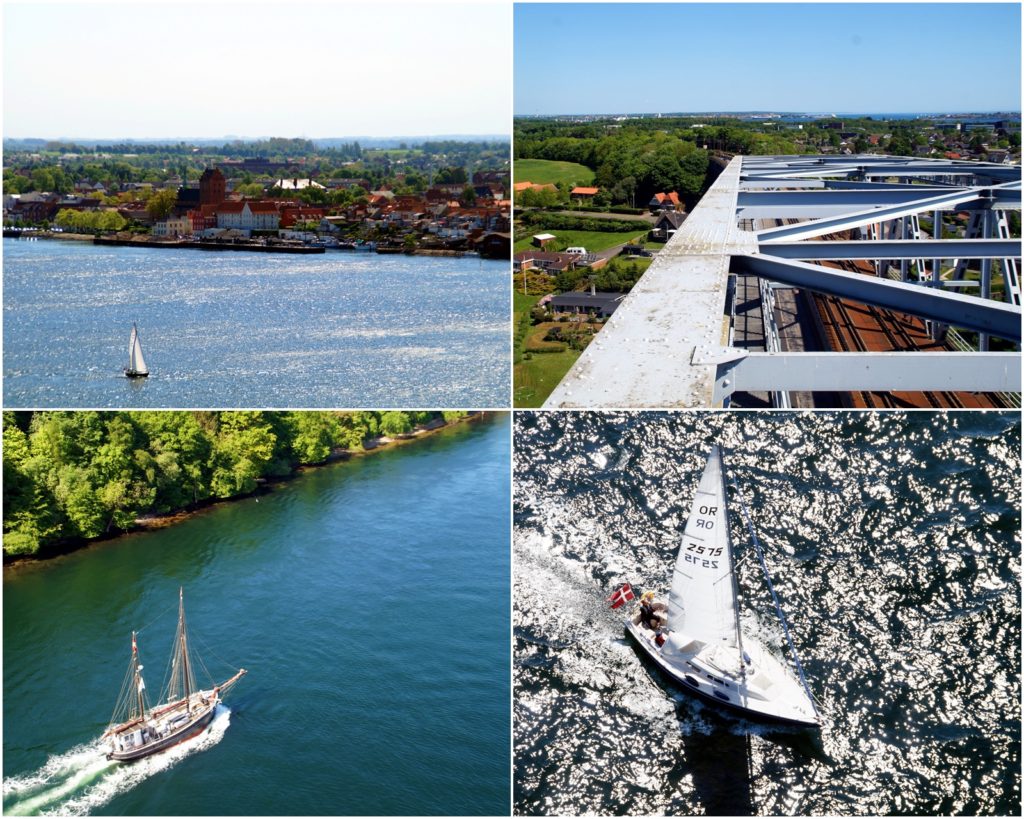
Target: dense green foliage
{"points": [[87, 221], [560, 221], [82, 474], [630, 163]]}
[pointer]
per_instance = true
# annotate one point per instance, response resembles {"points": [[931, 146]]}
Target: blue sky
{"points": [[813, 57], [256, 68]]}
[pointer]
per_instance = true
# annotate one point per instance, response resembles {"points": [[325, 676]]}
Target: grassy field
{"points": [[543, 171], [533, 379], [592, 240]]}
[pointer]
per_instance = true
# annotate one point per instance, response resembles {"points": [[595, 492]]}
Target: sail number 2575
{"points": [[701, 555]]}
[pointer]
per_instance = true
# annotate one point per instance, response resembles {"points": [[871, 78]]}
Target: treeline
{"points": [[72, 475], [631, 164], [89, 221], [558, 221]]}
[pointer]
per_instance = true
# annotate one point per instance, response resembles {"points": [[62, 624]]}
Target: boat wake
{"points": [[81, 780]]}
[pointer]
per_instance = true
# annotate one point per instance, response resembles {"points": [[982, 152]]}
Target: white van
{"points": [[576, 251]]}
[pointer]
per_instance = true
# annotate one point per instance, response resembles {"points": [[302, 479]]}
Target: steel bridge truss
{"points": [[669, 344]]}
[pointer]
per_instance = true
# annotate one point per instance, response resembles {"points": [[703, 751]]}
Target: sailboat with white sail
{"points": [[695, 636], [136, 363], [138, 729]]}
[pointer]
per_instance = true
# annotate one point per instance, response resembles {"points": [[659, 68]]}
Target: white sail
{"points": [[136, 363], [702, 601]]}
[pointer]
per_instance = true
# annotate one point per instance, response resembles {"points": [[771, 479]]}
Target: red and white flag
{"points": [[622, 595]]}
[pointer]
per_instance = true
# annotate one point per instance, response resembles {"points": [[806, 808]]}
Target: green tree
{"points": [[395, 423], [161, 203]]}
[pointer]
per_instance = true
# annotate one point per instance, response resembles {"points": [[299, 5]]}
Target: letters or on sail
{"points": [[702, 601]]}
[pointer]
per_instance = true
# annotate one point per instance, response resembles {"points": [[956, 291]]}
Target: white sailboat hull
{"points": [[764, 689]]}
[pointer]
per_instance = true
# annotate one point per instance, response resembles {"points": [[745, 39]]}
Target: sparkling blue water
{"points": [[235, 329], [894, 545], [369, 602]]}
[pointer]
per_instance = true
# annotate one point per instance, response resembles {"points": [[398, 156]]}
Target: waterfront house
{"points": [[248, 215], [173, 226]]}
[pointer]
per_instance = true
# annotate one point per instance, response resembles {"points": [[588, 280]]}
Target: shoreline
{"points": [[381, 443], [181, 244]]}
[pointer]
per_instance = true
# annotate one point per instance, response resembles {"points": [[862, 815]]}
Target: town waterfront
{"points": [[894, 545], [342, 329], [369, 602]]}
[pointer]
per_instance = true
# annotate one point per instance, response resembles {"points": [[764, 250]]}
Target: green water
{"points": [[369, 602]]}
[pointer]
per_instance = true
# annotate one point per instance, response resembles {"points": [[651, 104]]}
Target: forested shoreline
{"points": [[76, 476]]}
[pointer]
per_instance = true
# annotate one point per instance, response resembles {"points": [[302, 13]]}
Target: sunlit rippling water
{"points": [[369, 601], [235, 329], [893, 542]]}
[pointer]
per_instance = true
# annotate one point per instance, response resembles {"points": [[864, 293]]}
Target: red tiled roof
{"points": [[581, 191]]}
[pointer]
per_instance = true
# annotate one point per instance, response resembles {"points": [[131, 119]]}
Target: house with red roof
{"points": [[257, 214], [665, 201]]}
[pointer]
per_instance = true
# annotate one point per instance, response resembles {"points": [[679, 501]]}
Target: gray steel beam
{"points": [[843, 372], [851, 199], [895, 249], [994, 318], [822, 227]]}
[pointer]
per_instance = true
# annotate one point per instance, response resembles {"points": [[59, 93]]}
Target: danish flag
{"points": [[621, 595]]}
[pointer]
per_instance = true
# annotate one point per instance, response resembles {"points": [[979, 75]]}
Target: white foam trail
{"points": [[79, 781]]}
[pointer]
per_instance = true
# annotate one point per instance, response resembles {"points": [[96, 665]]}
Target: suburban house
{"points": [[665, 201], [594, 303], [582, 194], [519, 187], [668, 223], [542, 260]]}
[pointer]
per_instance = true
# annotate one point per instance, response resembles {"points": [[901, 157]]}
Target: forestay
{"points": [[702, 602]]}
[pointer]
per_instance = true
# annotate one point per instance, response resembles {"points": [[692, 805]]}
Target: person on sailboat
{"points": [[648, 616]]}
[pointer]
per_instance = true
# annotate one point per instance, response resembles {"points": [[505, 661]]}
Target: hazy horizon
{"points": [[476, 137], [255, 67]]}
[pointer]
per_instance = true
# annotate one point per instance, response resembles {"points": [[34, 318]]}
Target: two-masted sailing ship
{"points": [[138, 729], [136, 363]]}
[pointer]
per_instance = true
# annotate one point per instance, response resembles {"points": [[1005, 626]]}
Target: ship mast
{"points": [[140, 684], [732, 571], [183, 647]]}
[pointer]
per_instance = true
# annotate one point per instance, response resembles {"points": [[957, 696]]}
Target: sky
{"points": [[804, 57], [289, 69]]}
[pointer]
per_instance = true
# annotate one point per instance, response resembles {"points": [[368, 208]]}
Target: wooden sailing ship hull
{"points": [[193, 727], [787, 708]]}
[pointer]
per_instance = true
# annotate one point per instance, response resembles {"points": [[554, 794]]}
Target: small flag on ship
{"points": [[622, 594]]}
